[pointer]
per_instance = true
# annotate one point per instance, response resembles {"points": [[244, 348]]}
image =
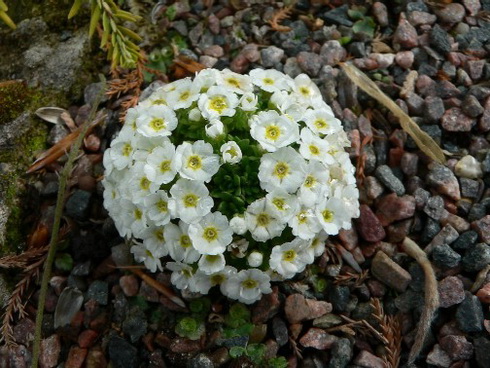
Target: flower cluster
{"points": [[233, 179]]}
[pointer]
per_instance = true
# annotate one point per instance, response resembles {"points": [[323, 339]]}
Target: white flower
{"points": [[238, 248], [282, 204], [231, 152], [139, 184], [235, 82], [316, 246], [154, 239], [157, 208], [190, 200], [179, 243], [134, 218], [322, 121], [204, 282], [255, 259], [273, 131], [288, 106], [289, 258], [212, 234], [332, 215], [238, 225], [305, 224], [159, 97], [206, 78], [210, 264], [262, 223], [150, 257], [214, 128], [160, 164], [248, 102], [196, 161], [312, 147], [306, 91], [282, 169], [349, 195], [270, 80], [247, 286], [184, 94], [121, 153], [158, 120], [218, 101], [182, 275], [195, 114], [316, 178], [343, 170]]}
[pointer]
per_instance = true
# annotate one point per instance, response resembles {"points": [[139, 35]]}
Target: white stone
{"points": [[468, 167]]}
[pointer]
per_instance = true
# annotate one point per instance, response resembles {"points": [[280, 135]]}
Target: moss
{"points": [[14, 96]]}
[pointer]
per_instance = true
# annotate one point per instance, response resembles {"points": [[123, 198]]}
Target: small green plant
{"points": [[4, 16], [364, 24], [190, 327], [118, 40], [256, 354]]}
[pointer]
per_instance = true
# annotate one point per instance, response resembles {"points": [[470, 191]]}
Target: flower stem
{"points": [[48, 265]]}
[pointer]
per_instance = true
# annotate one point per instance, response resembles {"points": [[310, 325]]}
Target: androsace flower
{"points": [[212, 234], [190, 200], [184, 94], [262, 223], [231, 152], [312, 147], [210, 264], [282, 204], [247, 286], [273, 131], [270, 80], [179, 243], [218, 101], [196, 161], [332, 215], [305, 223], [316, 181], [235, 82], [157, 120], [203, 282], [182, 274], [149, 256], [306, 91], [283, 169], [160, 164], [322, 121], [157, 205], [289, 258]]}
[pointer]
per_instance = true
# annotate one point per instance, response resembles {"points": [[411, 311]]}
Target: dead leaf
{"points": [[184, 67], [422, 139], [381, 47]]}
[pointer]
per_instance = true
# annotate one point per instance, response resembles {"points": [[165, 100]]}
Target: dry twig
{"points": [[278, 17], [431, 296]]}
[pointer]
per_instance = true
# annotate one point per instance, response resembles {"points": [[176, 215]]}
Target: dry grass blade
{"points": [[391, 330], [423, 140], [165, 291], [15, 304], [22, 260], [278, 17], [60, 148], [431, 296]]}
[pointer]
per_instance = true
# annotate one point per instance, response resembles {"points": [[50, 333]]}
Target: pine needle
{"points": [[422, 139], [278, 17]]}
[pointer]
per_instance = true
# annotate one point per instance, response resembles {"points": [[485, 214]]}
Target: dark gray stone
{"points": [[469, 314], [337, 16], [482, 347], [339, 297], [135, 324], [341, 354], [472, 107], [78, 205], [271, 56], [200, 361], [476, 258], [385, 175], [280, 331], [122, 354], [434, 207], [99, 291], [445, 257], [439, 40], [465, 241], [470, 188], [433, 109]]}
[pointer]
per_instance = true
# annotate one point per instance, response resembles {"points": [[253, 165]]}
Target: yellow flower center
{"points": [[194, 162], [127, 149], [302, 217], [190, 200], [233, 82], [305, 91], [263, 219], [148, 254], [212, 259], [281, 170], [184, 96], [159, 235], [310, 181], [249, 284], [165, 166], [314, 150], [232, 152], [157, 124], [272, 132], [210, 234], [280, 203], [138, 215], [327, 215], [162, 205], [218, 104], [159, 101], [289, 255], [217, 279], [144, 183], [320, 124], [268, 81], [185, 241]]}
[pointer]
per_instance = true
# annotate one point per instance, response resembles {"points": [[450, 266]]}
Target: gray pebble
{"points": [[386, 176]]}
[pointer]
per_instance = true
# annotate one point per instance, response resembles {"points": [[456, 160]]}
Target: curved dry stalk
{"points": [[431, 296]]}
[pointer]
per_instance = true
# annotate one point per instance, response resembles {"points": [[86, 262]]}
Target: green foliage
{"points": [[277, 362], [200, 307], [4, 16], [171, 12], [64, 262], [364, 24], [190, 327], [118, 40], [256, 354]]}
